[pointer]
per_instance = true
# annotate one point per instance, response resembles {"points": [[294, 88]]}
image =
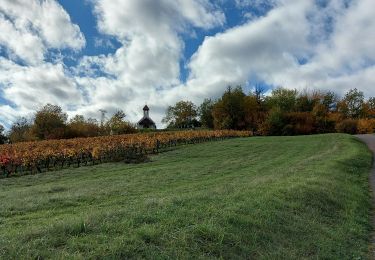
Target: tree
{"points": [[283, 99], [258, 93], [21, 131], [352, 104], [182, 115], [229, 110], [50, 122], [323, 109], [274, 123], [253, 112], [371, 103], [3, 138], [78, 126], [205, 113], [117, 124], [370, 107], [307, 100], [330, 101]]}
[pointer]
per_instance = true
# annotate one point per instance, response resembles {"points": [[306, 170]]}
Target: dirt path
{"points": [[370, 141]]}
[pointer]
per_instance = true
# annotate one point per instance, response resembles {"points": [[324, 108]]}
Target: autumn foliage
{"points": [[52, 153], [290, 112]]}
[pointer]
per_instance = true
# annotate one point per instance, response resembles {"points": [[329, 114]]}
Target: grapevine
{"points": [[36, 155]]}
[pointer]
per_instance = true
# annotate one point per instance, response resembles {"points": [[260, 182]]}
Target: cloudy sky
{"points": [[86, 55]]}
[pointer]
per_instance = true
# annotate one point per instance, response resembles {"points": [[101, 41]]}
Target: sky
{"points": [[88, 55]]}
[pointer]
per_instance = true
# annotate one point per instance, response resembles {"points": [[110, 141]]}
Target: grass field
{"points": [[261, 197]]}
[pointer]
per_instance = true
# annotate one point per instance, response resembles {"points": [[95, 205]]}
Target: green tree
{"points": [[229, 110], [369, 108], [353, 103], [205, 113], [117, 124], [182, 115], [330, 101], [274, 123], [304, 103], [371, 103], [50, 122], [283, 99]]}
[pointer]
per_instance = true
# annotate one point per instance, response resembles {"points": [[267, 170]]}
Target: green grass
{"points": [[262, 198]]}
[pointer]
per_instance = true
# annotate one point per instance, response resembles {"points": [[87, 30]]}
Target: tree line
{"points": [[283, 112], [51, 122]]}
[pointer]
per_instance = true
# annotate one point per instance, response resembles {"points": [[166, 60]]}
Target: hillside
{"points": [[263, 197]]}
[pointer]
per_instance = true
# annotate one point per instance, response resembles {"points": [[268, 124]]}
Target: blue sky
{"points": [[113, 54], [80, 13]]}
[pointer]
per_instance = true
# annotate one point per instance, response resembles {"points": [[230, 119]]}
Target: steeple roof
{"points": [[146, 108]]}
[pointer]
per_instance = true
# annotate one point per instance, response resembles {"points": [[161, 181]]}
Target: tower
{"points": [[145, 111]]}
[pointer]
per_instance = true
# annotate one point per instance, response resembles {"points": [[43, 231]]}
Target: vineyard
{"points": [[36, 157]]}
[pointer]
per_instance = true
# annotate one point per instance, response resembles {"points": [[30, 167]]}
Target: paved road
{"points": [[370, 141]]}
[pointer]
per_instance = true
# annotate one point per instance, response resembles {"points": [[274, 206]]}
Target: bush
{"points": [[299, 123], [274, 123], [348, 126], [324, 125], [366, 126], [288, 130], [294, 123]]}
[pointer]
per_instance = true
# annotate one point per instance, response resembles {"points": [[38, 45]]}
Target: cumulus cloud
{"points": [[255, 50], [296, 45], [149, 31], [148, 62], [32, 87], [30, 27], [19, 42], [344, 59], [29, 30]]}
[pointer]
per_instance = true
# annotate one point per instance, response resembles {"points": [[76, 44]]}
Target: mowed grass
{"points": [[255, 198]]}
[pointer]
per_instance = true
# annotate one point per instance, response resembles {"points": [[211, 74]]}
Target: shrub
{"points": [[299, 123], [366, 126], [349, 126], [274, 124]]}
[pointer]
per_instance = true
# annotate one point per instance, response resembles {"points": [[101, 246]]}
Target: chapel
{"points": [[146, 122]]}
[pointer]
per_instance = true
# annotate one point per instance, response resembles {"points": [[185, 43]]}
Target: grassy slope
{"points": [[274, 197]]}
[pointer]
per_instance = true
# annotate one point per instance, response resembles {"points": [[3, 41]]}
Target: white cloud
{"points": [[149, 31], [29, 29], [32, 87], [345, 59], [34, 26], [257, 49], [148, 62], [352, 42], [20, 42], [335, 40]]}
